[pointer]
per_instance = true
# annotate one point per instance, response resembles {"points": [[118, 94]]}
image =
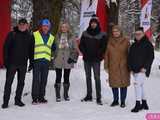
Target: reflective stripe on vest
{"points": [[42, 50]]}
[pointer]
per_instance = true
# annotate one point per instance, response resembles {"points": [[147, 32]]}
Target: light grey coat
{"points": [[61, 56]]}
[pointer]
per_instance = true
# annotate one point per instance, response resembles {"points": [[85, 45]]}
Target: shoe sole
{"points": [[86, 100], [19, 105]]}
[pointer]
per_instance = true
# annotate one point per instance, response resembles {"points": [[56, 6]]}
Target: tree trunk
{"points": [[113, 15], [50, 9]]}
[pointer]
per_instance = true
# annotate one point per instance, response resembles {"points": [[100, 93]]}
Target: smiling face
{"points": [[64, 28], [116, 33], [45, 29]]}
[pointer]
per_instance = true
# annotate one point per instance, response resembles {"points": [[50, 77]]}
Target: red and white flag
{"points": [[145, 17], [90, 7]]}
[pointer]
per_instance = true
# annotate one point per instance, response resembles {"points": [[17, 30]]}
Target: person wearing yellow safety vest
{"points": [[44, 45]]}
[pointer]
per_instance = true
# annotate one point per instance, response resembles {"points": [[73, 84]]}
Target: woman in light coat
{"points": [[64, 58]]}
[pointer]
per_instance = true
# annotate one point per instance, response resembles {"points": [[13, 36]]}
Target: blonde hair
{"points": [[117, 27], [67, 25]]}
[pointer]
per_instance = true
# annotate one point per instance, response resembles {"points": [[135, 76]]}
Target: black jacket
{"points": [[93, 47], [18, 48], [141, 55]]}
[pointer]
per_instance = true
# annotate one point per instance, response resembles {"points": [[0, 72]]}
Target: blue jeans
{"points": [[123, 93]]}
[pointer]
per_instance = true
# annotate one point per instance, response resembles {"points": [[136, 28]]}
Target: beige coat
{"points": [[61, 56], [115, 62]]}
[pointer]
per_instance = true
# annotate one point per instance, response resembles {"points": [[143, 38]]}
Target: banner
{"points": [[5, 24], [146, 16], [90, 7]]}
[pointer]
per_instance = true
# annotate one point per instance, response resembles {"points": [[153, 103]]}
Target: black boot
{"points": [[137, 107], [144, 105], [66, 89], [99, 102], [114, 103], [4, 105], [19, 103], [57, 90], [88, 98], [123, 105]]}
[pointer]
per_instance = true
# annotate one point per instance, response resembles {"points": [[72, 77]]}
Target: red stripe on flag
{"points": [[102, 14], [143, 2], [5, 24], [149, 33]]}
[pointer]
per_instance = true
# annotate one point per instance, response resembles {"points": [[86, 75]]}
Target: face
{"points": [[93, 25], [22, 27], [64, 28], [116, 33], [139, 35], [45, 29]]}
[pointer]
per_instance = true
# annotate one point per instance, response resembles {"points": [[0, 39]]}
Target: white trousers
{"points": [[139, 79]]}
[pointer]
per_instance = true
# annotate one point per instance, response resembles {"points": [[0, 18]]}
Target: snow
{"points": [[75, 109]]}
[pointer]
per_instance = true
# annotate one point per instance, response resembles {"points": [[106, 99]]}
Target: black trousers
{"points": [[66, 76], [88, 66], [10, 74], [40, 76], [123, 93]]}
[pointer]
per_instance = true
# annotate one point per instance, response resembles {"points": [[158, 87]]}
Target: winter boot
{"points": [[99, 102], [144, 105], [137, 107], [57, 90], [114, 103], [123, 105], [66, 89]]}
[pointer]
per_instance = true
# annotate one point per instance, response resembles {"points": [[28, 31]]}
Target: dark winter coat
{"points": [[93, 46], [141, 55], [18, 48]]}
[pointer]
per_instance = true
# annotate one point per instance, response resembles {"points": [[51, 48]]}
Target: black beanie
{"points": [[139, 29]]}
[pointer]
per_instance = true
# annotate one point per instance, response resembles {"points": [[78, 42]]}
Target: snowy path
{"points": [[75, 109]]}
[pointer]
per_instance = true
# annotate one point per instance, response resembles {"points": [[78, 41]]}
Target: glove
{"points": [[70, 61]]}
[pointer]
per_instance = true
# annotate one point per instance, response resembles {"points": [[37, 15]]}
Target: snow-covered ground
{"points": [[75, 109]]}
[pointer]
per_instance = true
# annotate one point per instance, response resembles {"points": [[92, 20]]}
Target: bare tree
{"points": [[129, 16], [21, 9], [71, 14], [47, 9]]}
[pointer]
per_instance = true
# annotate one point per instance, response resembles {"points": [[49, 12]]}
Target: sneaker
{"points": [[87, 99], [35, 102], [43, 101], [58, 99]]}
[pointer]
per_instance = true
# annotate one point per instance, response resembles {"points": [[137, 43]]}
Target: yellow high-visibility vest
{"points": [[42, 50]]}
